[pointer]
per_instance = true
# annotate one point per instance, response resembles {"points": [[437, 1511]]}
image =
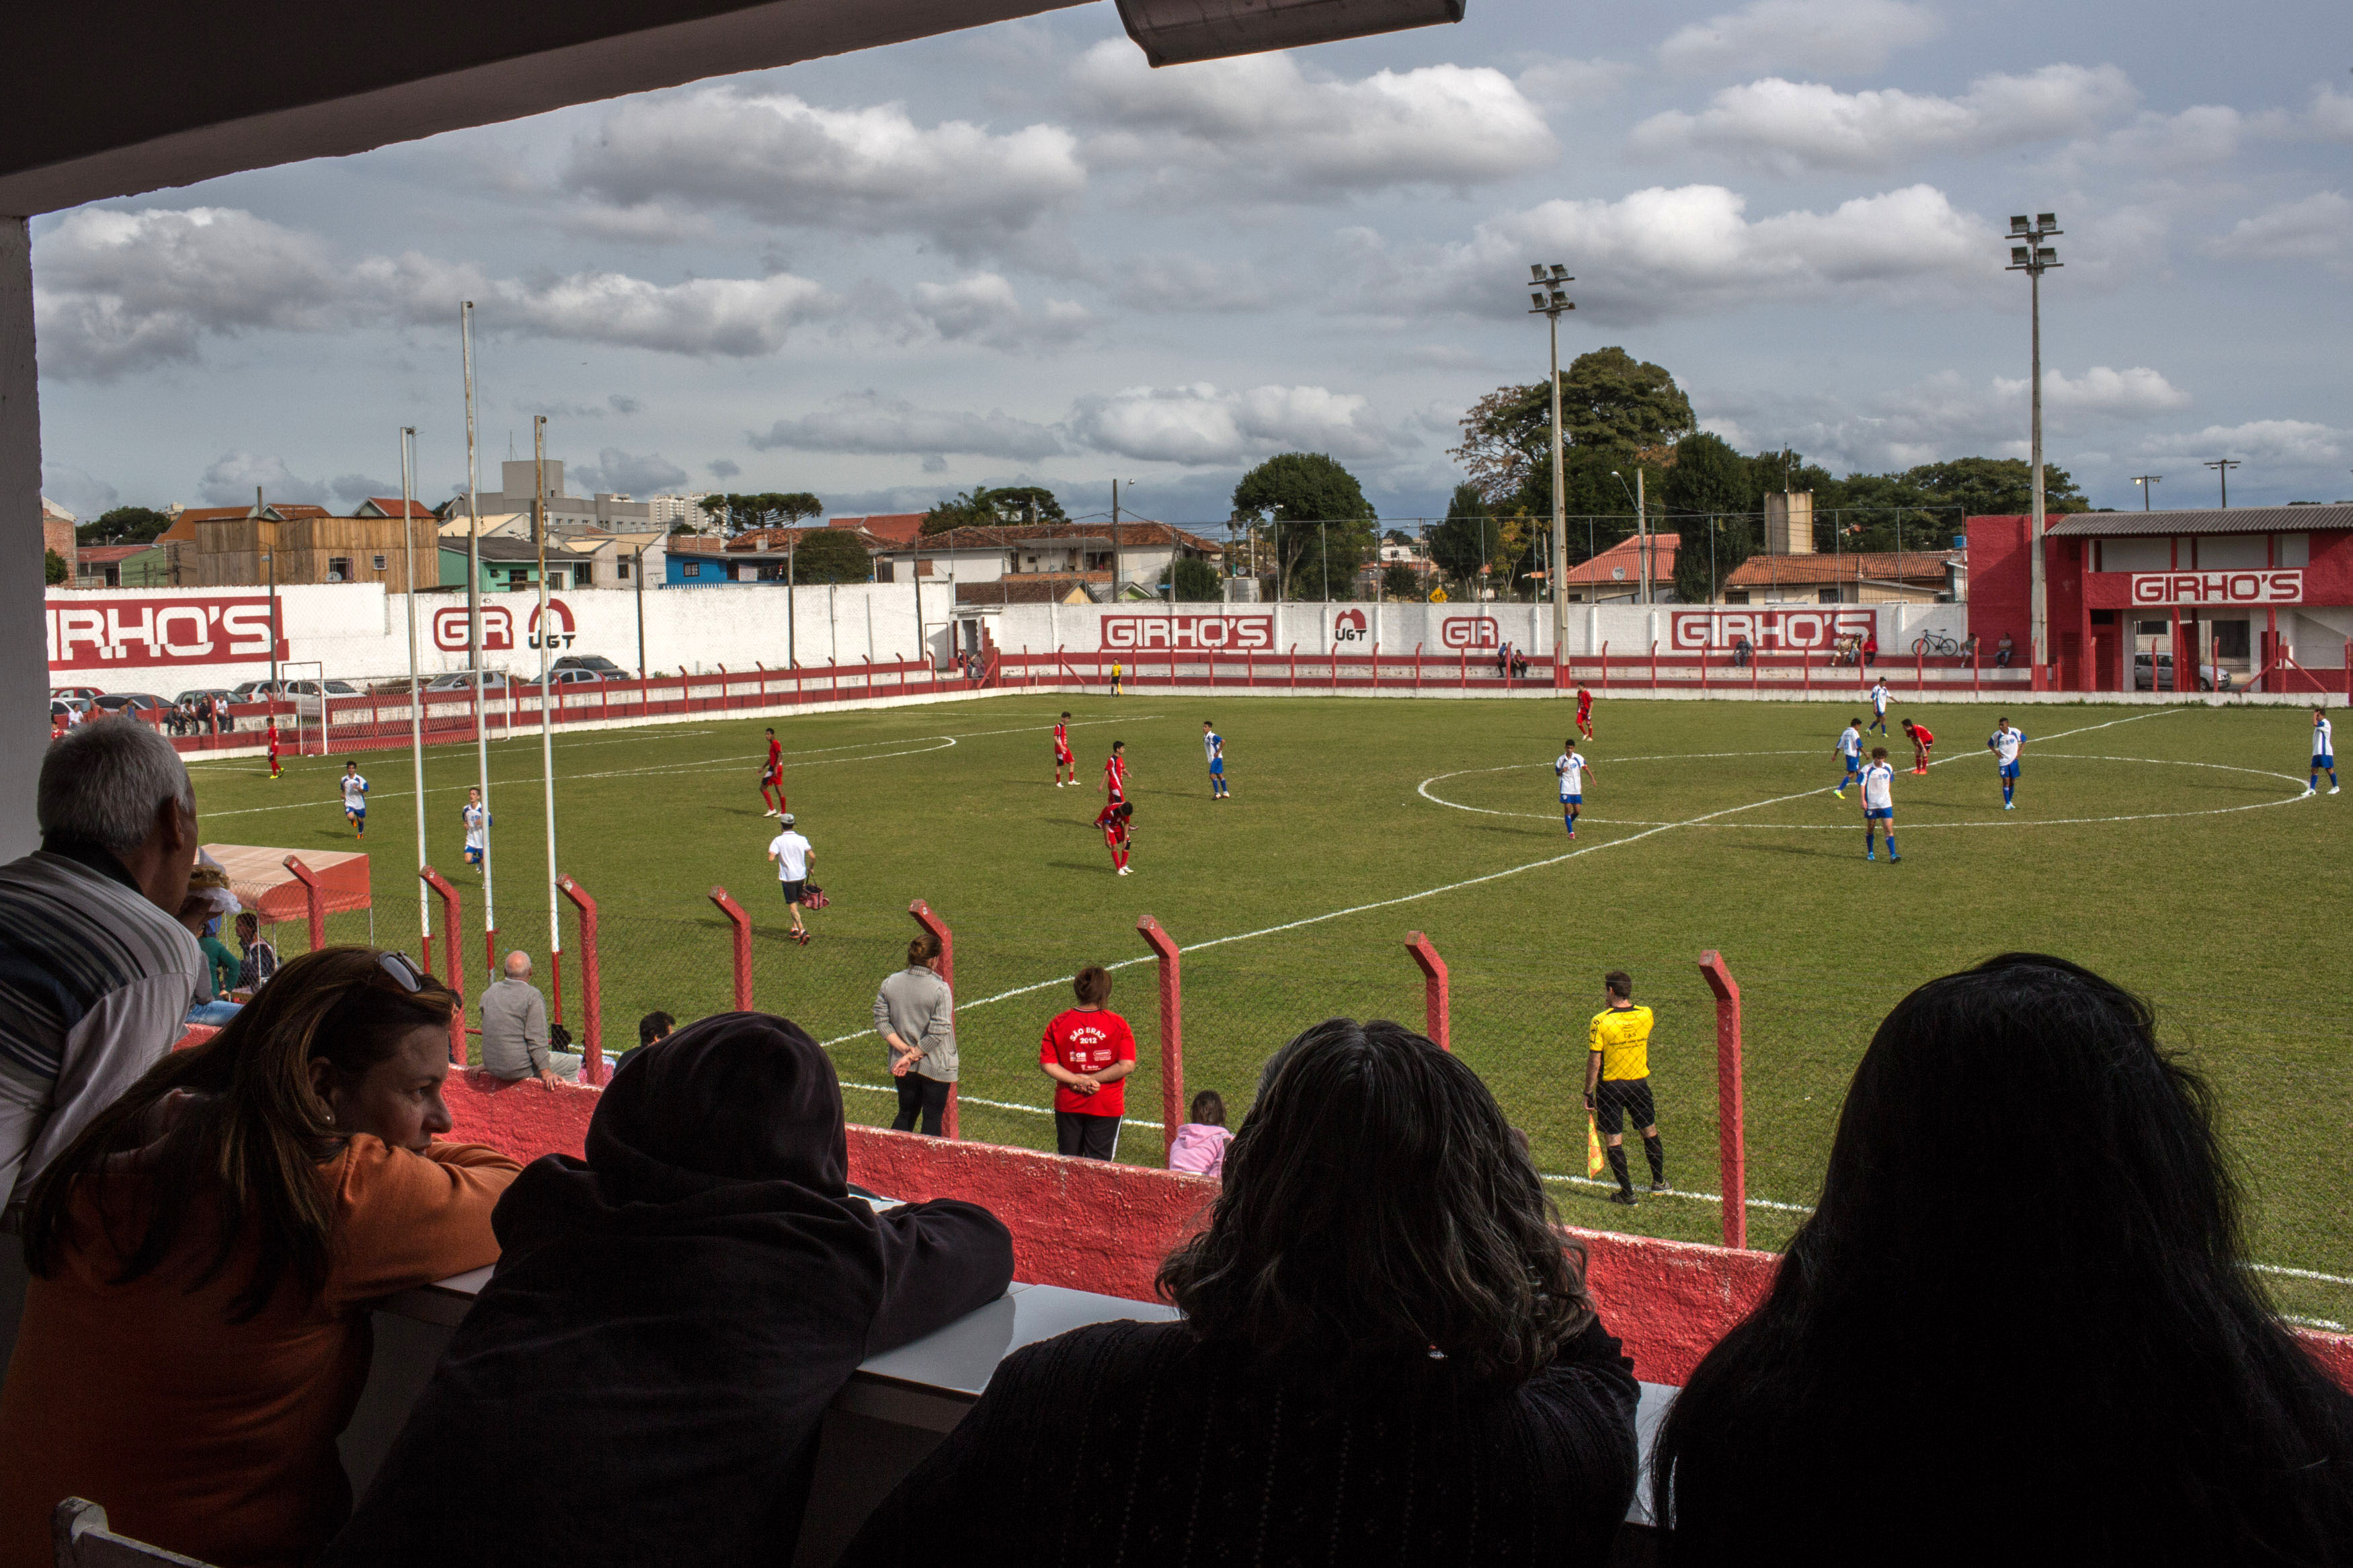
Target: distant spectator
{"points": [[643, 1379], [205, 1257], [95, 973], [1088, 1051], [2002, 651], [915, 1016], [514, 1029], [1969, 647], [1948, 1366], [1519, 664], [655, 1027], [257, 959], [1871, 648], [1201, 1144], [209, 899], [1741, 650], [793, 856], [1387, 1355]]}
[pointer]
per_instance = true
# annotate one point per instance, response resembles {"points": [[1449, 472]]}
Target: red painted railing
{"points": [[742, 923], [1731, 1141], [1172, 1029], [1436, 1009], [591, 1011], [314, 899], [453, 975]]}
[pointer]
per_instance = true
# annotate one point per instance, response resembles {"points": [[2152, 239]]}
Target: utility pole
{"points": [[260, 521], [2222, 465], [2147, 483], [2033, 258], [474, 635], [640, 576], [416, 694], [1115, 541], [1642, 523], [546, 709], [1549, 301]]}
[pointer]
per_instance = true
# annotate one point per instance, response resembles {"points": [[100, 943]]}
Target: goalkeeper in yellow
{"points": [[1618, 1082]]}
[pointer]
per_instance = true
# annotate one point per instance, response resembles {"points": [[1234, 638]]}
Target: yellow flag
{"points": [[1593, 1158]]}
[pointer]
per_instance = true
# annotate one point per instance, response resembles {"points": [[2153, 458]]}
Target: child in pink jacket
{"points": [[1200, 1146]]}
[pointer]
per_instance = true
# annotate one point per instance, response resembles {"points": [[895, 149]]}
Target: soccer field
{"points": [[2163, 846]]}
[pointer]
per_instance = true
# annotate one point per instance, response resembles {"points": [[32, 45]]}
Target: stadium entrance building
{"points": [[2261, 594]]}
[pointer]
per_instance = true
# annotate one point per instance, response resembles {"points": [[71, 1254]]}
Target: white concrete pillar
{"points": [[24, 625]]}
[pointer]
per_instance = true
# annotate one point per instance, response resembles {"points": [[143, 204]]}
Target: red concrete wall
{"points": [[1092, 1226], [1998, 586]]}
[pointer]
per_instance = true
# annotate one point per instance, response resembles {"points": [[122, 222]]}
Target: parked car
{"points": [[130, 702], [63, 710], [491, 680], [218, 693], [596, 661], [86, 693], [574, 678], [306, 694], [2210, 676], [253, 691]]}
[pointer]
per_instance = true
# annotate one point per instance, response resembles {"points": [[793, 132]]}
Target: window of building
{"points": [[1735, 597], [379, 562], [693, 569], [1828, 596], [2231, 640], [339, 568], [621, 569]]}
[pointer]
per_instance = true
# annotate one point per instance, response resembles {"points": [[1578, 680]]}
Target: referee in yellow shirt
{"points": [[1618, 1082]]}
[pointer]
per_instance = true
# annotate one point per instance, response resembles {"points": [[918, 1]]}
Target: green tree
{"points": [[54, 569], [1026, 504], [970, 510], [1398, 581], [1322, 525], [1196, 582], [1470, 538], [1709, 497], [122, 525], [766, 509], [830, 555], [1610, 402]]}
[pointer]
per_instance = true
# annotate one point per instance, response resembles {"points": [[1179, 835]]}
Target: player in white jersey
{"points": [[2323, 751], [1849, 753], [1879, 804], [1213, 746], [1571, 770], [1879, 705], [354, 797], [2005, 743], [478, 827]]}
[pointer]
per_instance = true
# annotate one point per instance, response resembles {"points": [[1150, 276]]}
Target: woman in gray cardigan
{"points": [[914, 1014]]}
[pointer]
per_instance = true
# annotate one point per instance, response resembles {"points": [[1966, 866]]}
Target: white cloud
{"points": [[2100, 393], [723, 468], [119, 291], [2317, 228], [1792, 126], [1175, 281], [350, 490], [2198, 137], [983, 308], [1693, 250], [1260, 123], [869, 171], [2330, 117], [1829, 38], [877, 423], [232, 477], [1201, 424], [2278, 441], [1564, 83], [78, 490]]}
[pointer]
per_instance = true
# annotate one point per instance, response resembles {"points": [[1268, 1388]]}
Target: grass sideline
{"points": [[2159, 846]]}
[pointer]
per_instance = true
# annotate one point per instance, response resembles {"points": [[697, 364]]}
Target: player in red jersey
{"points": [[1116, 773], [1116, 821], [772, 778], [1584, 712], [273, 747], [1062, 757], [1923, 742]]}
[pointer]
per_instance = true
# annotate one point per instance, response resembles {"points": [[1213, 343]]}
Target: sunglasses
{"points": [[411, 978]]}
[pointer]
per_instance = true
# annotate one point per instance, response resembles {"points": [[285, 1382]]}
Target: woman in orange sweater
{"points": [[196, 1333]]}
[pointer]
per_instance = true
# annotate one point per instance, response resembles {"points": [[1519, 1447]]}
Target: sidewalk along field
{"points": [[2165, 847]]}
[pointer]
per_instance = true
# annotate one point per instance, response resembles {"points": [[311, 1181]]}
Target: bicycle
{"points": [[1934, 646]]}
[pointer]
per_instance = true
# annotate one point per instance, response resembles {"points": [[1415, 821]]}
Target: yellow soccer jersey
{"points": [[1622, 1036]]}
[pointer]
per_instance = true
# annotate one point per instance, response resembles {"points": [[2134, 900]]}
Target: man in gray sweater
{"points": [[514, 1029], [915, 1016]]}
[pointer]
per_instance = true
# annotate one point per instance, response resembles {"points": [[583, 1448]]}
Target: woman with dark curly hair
{"points": [[2017, 1328], [1387, 1355]]}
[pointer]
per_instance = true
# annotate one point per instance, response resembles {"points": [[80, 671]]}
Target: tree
{"points": [[54, 569], [1397, 581], [1300, 488], [970, 510], [1026, 504], [1610, 402], [1196, 581], [831, 555], [1709, 495], [766, 509], [1468, 538], [123, 525]]}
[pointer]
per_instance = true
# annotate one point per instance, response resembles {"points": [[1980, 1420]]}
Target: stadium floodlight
{"points": [[1548, 301], [2033, 258], [1174, 32]]}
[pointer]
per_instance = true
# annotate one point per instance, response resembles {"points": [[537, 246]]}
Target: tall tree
{"points": [[1192, 581], [1708, 497], [1323, 526], [766, 509], [1471, 537], [122, 525], [1612, 405], [1026, 504], [830, 555]]}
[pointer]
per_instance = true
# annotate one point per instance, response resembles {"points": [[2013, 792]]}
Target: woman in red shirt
{"points": [[1088, 1051], [203, 1258]]}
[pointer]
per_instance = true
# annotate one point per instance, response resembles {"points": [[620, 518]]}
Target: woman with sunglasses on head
{"points": [[195, 1334]]}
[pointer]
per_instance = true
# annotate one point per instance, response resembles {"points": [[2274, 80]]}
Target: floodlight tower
{"points": [[2032, 257], [1548, 300]]}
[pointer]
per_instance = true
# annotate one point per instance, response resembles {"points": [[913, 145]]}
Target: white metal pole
{"points": [[415, 691], [546, 698], [1642, 523], [1559, 508], [474, 633], [2039, 609]]}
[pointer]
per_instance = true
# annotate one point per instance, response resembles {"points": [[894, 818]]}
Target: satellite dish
{"points": [[1619, 572]]}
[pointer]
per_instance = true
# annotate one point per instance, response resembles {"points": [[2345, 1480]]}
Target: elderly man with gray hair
{"points": [[96, 970], [514, 1029]]}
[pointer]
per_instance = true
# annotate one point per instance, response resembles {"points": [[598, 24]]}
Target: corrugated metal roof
{"points": [[2200, 520], [1849, 566]]}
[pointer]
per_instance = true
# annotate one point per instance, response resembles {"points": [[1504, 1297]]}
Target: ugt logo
{"points": [[1348, 626], [559, 630]]}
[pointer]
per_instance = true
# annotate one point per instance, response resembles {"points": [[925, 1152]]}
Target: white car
{"points": [[2210, 676], [493, 681]]}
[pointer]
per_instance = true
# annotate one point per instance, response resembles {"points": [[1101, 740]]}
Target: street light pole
{"points": [[416, 695], [2222, 465], [1549, 301], [2147, 483], [2032, 259]]}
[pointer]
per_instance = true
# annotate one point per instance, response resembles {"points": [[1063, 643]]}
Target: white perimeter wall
{"points": [[169, 640]]}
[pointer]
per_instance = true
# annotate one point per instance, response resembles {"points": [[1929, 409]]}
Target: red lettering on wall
{"points": [[148, 633], [1221, 634], [1767, 631]]}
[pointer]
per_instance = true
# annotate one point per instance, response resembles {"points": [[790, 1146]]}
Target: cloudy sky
{"points": [[1017, 255]]}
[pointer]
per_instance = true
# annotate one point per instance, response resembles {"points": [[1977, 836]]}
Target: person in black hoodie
{"points": [[641, 1381], [1387, 1356]]}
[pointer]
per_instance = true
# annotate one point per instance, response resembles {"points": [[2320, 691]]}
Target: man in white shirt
{"points": [[2005, 743], [354, 797], [478, 826], [2323, 753], [794, 856], [1571, 769], [1879, 705], [1849, 753], [1879, 804]]}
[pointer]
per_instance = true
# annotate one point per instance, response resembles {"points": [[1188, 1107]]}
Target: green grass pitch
{"points": [[2162, 847]]}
